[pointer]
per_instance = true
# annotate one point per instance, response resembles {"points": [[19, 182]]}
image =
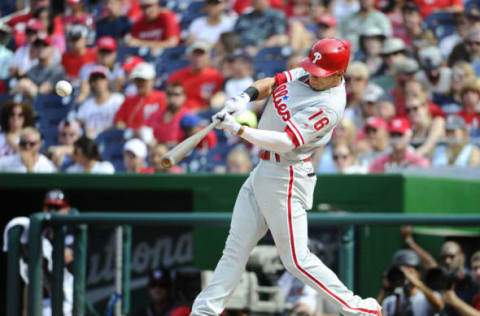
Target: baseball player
{"points": [[304, 107]]}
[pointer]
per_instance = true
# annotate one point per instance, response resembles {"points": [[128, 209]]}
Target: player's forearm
{"points": [[270, 140], [264, 86]]}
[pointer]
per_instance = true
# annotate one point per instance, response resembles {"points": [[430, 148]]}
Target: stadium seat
{"points": [[271, 60], [110, 144], [171, 60], [441, 24], [123, 52], [476, 67]]}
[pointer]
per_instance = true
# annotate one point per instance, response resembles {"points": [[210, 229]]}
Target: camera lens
{"points": [[395, 277]]}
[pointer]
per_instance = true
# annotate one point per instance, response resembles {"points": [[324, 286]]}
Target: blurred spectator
{"points": [[134, 154], [345, 160], [363, 19], [262, 27], [393, 49], [410, 295], [326, 26], [76, 14], [42, 77], [457, 151], [303, 35], [131, 9], [415, 34], [156, 154], [137, 109], [416, 89], [24, 57], [356, 80], [190, 124], [228, 43], [15, 116], [78, 54], [29, 158], [370, 97], [376, 142], [157, 29], [401, 156], [238, 161], [428, 7], [160, 294], [427, 130], [447, 44], [242, 75], [166, 121], [404, 71], [19, 21], [470, 101], [200, 80], [371, 43], [209, 28], [462, 72], [106, 56], [344, 9], [69, 132], [52, 26], [114, 23], [468, 50], [6, 55], [129, 64], [436, 77], [88, 159], [97, 112], [385, 108]]}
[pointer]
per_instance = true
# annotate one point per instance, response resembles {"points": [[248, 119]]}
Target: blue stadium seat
{"points": [[51, 109], [171, 60], [110, 144], [441, 24], [476, 67], [271, 60], [123, 52]]}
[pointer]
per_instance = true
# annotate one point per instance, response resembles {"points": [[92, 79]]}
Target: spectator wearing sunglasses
{"points": [[375, 143], [468, 50], [15, 116], [29, 159], [69, 132], [345, 160], [401, 156]]}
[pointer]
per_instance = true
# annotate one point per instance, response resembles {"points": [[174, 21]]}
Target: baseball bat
{"points": [[177, 153]]}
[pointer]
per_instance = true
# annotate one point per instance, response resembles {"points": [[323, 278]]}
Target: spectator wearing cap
{"points": [[69, 132], [166, 121], [447, 44], [208, 28], [88, 159], [28, 159], [415, 34], [356, 80], [106, 57], [375, 143], [262, 27], [371, 43], [413, 297], [457, 151], [200, 80], [128, 65], [97, 112], [404, 71], [76, 14], [363, 19], [134, 154], [24, 57], [160, 293], [393, 49], [42, 77], [370, 97], [115, 23], [78, 54], [6, 55], [137, 109], [470, 99], [345, 160], [157, 29], [435, 76], [401, 156], [15, 116], [427, 130], [156, 155], [468, 50]]}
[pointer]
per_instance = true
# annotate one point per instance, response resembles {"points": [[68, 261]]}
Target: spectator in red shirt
{"points": [[191, 124], [166, 122], [23, 18], [158, 28], [470, 101], [137, 109], [401, 156], [134, 154], [428, 7], [77, 15], [78, 53], [200, 80]]}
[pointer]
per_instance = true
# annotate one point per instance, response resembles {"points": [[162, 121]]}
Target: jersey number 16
{"points": [[321, 123]]}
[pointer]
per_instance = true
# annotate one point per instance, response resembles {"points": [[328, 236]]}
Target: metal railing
{"points": [[126, 220]]}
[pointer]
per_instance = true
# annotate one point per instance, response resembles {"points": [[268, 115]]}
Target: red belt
{"points": [[265, 155]]}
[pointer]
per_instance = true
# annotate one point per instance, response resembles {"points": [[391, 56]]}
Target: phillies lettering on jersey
{"points": [[279, 95]]}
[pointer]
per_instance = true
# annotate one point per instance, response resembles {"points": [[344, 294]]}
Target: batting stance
{"points": [[305, 106]]}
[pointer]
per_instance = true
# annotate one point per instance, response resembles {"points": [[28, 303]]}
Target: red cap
{"points": [[106, 43], [34, 24], [327, 19], [398, 125], [99, 69], [45, 38], [376, 122], [327, 56], [74, 1], [131, 62]]}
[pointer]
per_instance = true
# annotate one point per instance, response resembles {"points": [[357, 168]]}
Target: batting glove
{"points": [[227, 122], [236, 105]]}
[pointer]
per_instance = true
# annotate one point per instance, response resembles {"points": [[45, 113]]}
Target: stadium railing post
{"points": [[79, 269], [13, 306], [127, 249], [35, 259], [347, 257], [58, 268]]}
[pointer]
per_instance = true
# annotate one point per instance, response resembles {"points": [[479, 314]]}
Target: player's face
{"points": [[323, 83]]}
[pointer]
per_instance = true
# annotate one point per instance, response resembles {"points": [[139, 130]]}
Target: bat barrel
{"points": [[167, 162]]}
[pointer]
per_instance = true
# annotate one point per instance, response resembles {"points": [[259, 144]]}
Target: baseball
{"points": [[63, 88]]}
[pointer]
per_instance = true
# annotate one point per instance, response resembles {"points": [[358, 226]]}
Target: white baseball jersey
{"points": [[307, 115]]}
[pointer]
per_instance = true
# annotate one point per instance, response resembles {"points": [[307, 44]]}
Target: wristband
{"points": [[252, 92], [241, 130]]}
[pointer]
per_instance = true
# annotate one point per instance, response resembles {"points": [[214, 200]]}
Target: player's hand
{"points": [[237, 105], [227, 122]]}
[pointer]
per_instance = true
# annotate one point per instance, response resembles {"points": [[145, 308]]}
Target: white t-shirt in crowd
{"points": [[100, 167], [21, 58], [442, 86], [5, 148], [420, 304], [14, 163], [99, 117], [210, 33]]}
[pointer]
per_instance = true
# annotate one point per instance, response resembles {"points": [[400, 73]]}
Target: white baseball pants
{"points": [[276, 197]]}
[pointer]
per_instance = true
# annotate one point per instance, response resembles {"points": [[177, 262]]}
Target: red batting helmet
{"points": [[326, 57]]}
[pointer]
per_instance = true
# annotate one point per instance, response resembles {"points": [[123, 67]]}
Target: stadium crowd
{"points": [[149, 73]]}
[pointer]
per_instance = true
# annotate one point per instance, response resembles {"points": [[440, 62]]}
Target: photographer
{"points": [[411, 297]]}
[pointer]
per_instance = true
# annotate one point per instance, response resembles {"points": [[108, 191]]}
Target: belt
{"points": [[266, 155]]}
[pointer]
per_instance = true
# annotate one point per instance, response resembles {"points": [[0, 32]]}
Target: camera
{"points": [[441, 279]]}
